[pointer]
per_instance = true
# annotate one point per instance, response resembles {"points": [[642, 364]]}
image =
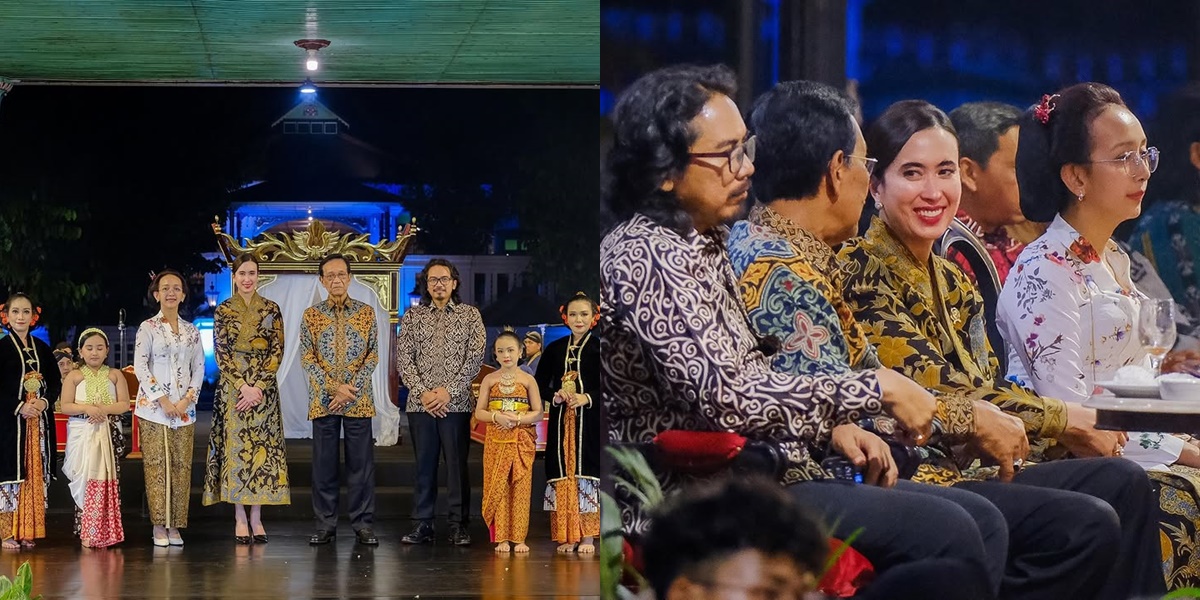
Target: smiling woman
{"points": [[27, 380]]}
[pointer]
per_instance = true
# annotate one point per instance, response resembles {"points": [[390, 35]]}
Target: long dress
{"points": [[508, 456], [26, 445], [246, 462], [573, 439], [92, 464]]}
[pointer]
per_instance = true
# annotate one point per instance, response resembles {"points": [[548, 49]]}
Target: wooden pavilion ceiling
{"points": [[240, 42]]}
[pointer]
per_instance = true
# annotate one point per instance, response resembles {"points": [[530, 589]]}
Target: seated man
{"points": [[678, 353], [749, 539], [812, 187]]}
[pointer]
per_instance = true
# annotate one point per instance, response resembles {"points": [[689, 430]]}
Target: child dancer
{"points": [[510, 404], [94, 395]]}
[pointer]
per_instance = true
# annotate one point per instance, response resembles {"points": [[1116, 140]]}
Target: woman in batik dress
{"points": [[570, 374], [28, 384], [246, 464], [510, 405], [95, 396]]}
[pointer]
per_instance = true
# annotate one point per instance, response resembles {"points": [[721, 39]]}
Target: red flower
{"points": [[1043, 110], [1085, 251]]}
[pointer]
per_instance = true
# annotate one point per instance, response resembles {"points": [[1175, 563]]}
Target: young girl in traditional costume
{"points": [[95, 395], [28, 384], [510, 404], [570, 373]]}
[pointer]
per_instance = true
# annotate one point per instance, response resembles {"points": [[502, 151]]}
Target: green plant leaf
{"points": [[612, 557], [1189, 592]]}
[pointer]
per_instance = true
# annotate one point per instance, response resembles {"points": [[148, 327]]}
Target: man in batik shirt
{"points": [[339, 349], [678, 352], [438, 355], [790, 279]]}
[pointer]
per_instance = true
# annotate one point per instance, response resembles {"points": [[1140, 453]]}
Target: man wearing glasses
{"points": [[339, 349], [439, 352]]}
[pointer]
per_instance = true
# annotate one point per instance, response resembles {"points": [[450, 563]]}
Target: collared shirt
{"points": [[339, 343], [793, 290], [1001, 247], [927, 321], [678, 352], [167, 364], [1070, 321], [440, 347]]}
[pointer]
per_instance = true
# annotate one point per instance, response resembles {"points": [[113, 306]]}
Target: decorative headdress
{"points": [[37, 313], [62, 353], [1043, 110], [562, 310], [90, 331]]}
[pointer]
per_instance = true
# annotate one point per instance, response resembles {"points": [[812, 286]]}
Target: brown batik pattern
{"points": [[167, 459]]}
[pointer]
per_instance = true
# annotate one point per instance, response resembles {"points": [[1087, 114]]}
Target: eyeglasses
{"points": [[340, 276], [737, 156], [758, 592], [440, 280], [1134, 160], [868, 162]]}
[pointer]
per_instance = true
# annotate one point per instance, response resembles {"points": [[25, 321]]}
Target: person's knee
{"points": [[1132, 478], [957, 533], [1094, 522]]}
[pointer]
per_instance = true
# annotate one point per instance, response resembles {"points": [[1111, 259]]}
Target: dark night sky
{"points": [[148, 165], [475, 134]]}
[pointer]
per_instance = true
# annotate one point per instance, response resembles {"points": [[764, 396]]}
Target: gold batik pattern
{"points": [[508, 468], [568, 524], [1178, 516], [167, 460], [339, 343], [927, 321], [246, 461], [29, 522]]}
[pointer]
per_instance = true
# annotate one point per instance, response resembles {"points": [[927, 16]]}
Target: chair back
{"points": [[987, 280]]}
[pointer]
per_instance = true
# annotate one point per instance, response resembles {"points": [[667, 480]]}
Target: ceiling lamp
{"points": [[310, 48], [308, 87]]}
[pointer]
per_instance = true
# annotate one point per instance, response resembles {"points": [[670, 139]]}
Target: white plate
{"points": [[1131, 390], [1138, 405]]}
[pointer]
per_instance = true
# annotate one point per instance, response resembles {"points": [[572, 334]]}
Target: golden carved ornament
{"points": [[314, 243]]}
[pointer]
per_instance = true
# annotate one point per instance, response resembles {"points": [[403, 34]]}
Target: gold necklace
{"points": [[508, 383]]}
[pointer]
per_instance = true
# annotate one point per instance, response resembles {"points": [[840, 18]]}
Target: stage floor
{"points": [[211, 565]]}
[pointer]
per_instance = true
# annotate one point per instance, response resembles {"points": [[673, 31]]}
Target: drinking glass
{"points": [[1156, 329]]}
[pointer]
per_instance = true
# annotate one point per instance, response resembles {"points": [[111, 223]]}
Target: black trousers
{"points": [[1122, 485], [448, 437], [940, 578], [915, 529], [360, 471], [1024, 541]]}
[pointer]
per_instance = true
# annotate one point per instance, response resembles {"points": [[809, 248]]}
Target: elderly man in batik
{"points": [[339, 346]]}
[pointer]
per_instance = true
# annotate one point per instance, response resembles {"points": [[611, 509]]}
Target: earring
{"points": [[878, 204], [1079, 196]]}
